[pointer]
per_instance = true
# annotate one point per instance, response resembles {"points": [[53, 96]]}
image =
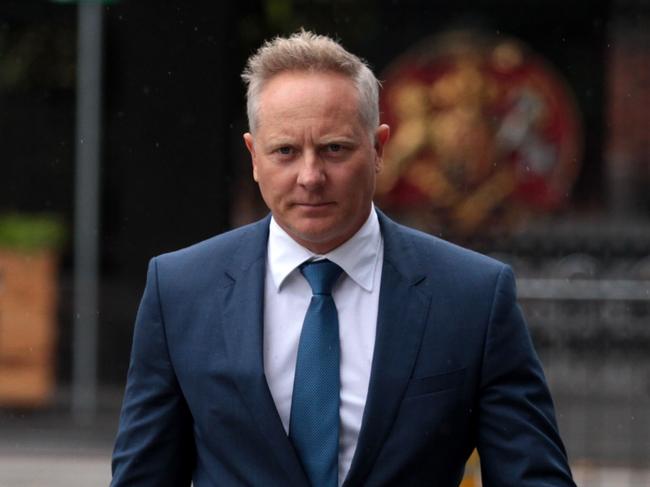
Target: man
{"points": [[326, 344]]}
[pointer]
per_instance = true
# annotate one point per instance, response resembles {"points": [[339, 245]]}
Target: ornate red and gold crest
{"points": [[483, 132]]}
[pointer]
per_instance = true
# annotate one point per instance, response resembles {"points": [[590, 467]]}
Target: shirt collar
{"points": [[357, 257]]}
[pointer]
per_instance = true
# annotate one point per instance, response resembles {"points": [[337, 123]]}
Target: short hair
{"points": [[306, 51]]}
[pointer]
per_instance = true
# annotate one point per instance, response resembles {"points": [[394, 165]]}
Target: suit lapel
{"points": [[403, 310], [402, 315], [243, 330]]}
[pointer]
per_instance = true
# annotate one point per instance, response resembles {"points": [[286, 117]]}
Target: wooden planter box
{"points": [[28, 307]]}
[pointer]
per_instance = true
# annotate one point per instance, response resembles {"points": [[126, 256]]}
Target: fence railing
{"points": [[590, 320]]}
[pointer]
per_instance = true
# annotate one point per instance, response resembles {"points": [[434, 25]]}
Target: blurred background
{"points": [[520, 129]]}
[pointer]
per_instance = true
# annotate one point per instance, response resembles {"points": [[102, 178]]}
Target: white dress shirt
{"points": [[356, 294]]}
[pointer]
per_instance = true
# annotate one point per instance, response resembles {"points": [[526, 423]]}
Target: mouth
{"points": [[315, 205], [314, 209]]}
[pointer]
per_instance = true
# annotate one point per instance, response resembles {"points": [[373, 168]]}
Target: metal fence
{"points": [[590, 319]]}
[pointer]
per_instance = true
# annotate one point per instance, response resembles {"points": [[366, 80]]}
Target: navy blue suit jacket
{"points": [[453, 369]]}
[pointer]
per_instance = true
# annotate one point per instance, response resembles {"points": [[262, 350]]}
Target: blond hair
{"points": [[306, 51]]}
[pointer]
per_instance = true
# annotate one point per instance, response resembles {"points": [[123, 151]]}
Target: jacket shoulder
{"points": [[219, 253], [434, 254]]}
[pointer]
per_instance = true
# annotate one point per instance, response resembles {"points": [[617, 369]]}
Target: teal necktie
{"points": [[314, 423]]}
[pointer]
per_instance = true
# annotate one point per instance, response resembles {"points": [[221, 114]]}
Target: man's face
{"points": [[314, 160]]}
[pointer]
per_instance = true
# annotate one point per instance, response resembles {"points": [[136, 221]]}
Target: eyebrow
{"points": [[338, 140], [279, 141], [326, 138]]}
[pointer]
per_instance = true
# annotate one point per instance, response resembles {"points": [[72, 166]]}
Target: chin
{"points": [[313, 236]]}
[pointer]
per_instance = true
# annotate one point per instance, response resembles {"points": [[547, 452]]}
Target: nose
{"points": [[311, 174]]}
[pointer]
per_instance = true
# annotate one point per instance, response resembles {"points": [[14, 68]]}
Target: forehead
{"points": [[299, 94]]}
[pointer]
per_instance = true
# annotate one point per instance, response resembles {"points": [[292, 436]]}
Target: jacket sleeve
{"points": [[154, 445], [518, 440]]}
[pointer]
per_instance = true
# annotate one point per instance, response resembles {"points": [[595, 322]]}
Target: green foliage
{"points": [[39, 55], [31, 232], [279, 14]]}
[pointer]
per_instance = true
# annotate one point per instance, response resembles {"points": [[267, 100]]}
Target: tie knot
{"points": [[321, 275]]}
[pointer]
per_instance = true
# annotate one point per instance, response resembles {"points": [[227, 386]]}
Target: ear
{"points": [[250, 145], [382, 134]]}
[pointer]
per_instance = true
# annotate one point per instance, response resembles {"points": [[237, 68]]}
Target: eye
{"points": [[284, 152], [334, 147]]}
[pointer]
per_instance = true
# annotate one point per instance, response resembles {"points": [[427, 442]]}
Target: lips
{"points": [[315, 205], [314, 209]]}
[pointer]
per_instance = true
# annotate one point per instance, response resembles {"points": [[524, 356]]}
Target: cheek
{"points": [[365, 177], [273, 186]]}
